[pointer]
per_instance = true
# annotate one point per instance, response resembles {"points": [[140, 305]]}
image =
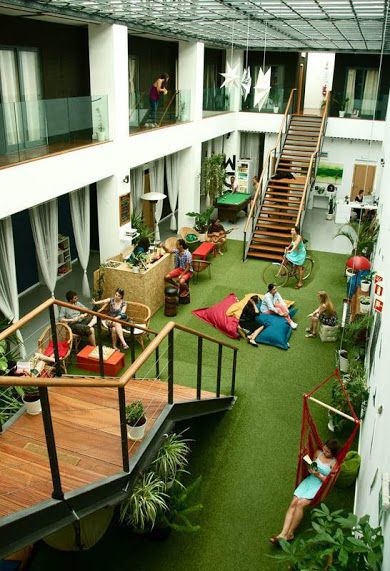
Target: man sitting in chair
{"points": [[183, 266], [80, 323], [216, 234]]}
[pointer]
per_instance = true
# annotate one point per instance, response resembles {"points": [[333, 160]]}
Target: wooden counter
{"points": [[146, 287]]}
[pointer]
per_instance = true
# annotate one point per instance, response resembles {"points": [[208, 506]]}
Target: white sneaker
{"points": [[293, 325]]}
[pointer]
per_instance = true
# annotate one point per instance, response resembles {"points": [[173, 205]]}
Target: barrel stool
{"points": [[171, 301]]}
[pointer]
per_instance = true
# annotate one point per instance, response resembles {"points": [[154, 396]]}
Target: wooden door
{"points": [[363, 179]]}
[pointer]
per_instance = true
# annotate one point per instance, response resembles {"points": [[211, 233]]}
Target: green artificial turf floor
{"points": [[247, 456]]}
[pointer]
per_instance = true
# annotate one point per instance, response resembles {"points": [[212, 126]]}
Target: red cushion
{"points": [[63, 347], [216, 316]]}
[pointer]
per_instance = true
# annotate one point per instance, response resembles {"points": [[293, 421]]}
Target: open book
{"points": [[310, 462]]}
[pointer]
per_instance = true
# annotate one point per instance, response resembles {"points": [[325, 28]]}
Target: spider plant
{"points": [[172, 457], [9, 403], [145, 502]]}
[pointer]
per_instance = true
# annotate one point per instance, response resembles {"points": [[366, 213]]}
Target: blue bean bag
{"points": [[277, 331]]}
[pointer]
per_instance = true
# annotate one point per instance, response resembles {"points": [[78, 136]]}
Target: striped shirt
{"points": [[181, 260]]}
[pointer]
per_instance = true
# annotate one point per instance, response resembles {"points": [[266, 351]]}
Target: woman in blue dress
{"points": [[307, 489], [296, 253]]}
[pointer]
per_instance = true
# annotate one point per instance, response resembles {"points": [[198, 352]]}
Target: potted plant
{"points": [[354, 337], [31, 400], [171, 459], [202, 219], [100, 130], [213, 176], [342, 103], [365, 304], [355, 383], [365, 283], [147, 498], [363, 236], [330, 214], [136, 421]]}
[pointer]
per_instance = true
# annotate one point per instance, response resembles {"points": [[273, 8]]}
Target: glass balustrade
{"points": [[172, 108], [364, 108], [215, 100], [275, 103], [36, 128]]}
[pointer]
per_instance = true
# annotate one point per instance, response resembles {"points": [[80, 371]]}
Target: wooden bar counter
{"points": [[145, 287]]}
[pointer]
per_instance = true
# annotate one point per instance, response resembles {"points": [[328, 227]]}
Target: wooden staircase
{"points": [[282, 198]]}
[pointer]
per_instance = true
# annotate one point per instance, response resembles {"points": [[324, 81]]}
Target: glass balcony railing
{"points": [[32, 129], [275, 103], [365, 108], [172, 108], [215, 100]]}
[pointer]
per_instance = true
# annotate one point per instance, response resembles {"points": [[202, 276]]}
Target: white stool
{"points": [[328, 333]]}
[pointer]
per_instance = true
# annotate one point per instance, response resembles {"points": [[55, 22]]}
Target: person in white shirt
{"points": [[233, 184], [274, 303]]}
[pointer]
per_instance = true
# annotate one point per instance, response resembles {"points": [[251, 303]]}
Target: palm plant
{"points": [[362, 237], [145, 502], [143, 230]]}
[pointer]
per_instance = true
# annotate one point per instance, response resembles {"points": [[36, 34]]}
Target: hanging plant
{"points": [[213, 176]]}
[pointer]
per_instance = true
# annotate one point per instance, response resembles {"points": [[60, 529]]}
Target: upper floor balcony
{"points": [[171, 109], [37, 128]]}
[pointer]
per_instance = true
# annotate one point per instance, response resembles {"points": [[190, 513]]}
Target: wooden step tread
{"points": [[276, 226], [267, 248], [278, 200], [268, 210], [264, 255], [272, 192], [280, 206], [285, 237]]}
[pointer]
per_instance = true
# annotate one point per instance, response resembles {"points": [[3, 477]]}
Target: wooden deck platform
{"points": [[87, 433]]}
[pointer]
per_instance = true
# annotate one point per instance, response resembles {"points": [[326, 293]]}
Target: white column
{"points": [[190, 75], [108, 58], [189, 184]]}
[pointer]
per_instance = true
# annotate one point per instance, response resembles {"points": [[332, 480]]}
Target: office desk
{"points": [[229, 205], [343, 211]]}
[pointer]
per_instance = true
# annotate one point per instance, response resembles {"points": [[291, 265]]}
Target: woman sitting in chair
{"points": [[216, 234], [117, 308], [325, 313]]}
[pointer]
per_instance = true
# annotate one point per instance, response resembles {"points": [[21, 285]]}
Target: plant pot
{"points": [[341, 113], [329, 216], [32, 403], [101, 136], [365, 306], [330, 421], [349, 273], [135, 270], [276, 109], [343, 361], [136, 432], [365, 286]]}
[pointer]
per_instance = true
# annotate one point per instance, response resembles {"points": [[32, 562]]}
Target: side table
{"points": [[111, 366]]}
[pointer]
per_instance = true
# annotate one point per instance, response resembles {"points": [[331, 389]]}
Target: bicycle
{"points": [[279, 273]]}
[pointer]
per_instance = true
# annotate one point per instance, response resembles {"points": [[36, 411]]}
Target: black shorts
{"points": [[81, 327]]}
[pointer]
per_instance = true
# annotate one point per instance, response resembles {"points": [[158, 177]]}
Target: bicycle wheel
{"points": [[275, 273], [307, 268]]}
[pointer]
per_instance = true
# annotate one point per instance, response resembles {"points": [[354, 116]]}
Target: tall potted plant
{"points": [[355, 383], [202, 219], [213, 176]]}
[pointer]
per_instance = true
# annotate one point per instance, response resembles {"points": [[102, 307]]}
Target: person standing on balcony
{"points": [[157, 88]]}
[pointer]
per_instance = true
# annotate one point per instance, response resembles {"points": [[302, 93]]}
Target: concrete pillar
{"points": [[190, 76], [189, 184], [108, 58]]}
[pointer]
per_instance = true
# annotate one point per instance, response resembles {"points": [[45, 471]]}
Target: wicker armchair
{"points": [[138, 314], [183, 233], [200, 266], [45, 344]]}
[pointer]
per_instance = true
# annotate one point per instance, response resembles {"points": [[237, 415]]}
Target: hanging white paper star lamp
{"points": [[231, 75], [262, 87], [246, 82]]}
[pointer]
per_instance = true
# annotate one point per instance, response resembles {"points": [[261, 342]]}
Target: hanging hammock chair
{"points": [[311, 441]]}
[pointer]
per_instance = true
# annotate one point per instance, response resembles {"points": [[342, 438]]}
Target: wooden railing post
{"points": [[157, 362], [57, 494], [170, 365]]}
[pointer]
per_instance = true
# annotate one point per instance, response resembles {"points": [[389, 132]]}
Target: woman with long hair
{"points": [[116, 308], [325, 313], [296, 253], [158, 88]]}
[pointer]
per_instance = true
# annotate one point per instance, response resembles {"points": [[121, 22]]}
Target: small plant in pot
{"points": [[31, 400], [330, 213], [355, 383], [365, 304], [365, 284], [136, 420]]}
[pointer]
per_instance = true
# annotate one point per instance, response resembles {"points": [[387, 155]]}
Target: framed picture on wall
{"points": [[124, 209]]}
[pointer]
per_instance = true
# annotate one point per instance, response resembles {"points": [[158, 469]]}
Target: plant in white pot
{"points": [[31, 400], [136, 420], [365, 284], [330, 213], [365, 304], [100, 130]]}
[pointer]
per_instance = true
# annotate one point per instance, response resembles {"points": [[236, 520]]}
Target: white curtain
{"points": [[9, 301], [9, 85], [30, 74], [171, 162], [370, 92], [350, 90], [44, 224], [218, 145], [157, 185], [137, 188], [132, 94], [79, 209], [250, 149]]}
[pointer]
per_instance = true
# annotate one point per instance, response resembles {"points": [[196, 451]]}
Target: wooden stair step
{"points": [[278, 200], [304, 123], [265, 256], [272, 192], [293, 146], [275, 226], [266, 248], [285, 158], [298, 186], [280, 206], [285, 237], [275, 212]]}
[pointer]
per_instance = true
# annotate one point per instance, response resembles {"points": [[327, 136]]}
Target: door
{"points": [[363, 179], [22, 114]]}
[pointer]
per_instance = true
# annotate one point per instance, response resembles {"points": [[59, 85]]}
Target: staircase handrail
{"points": [[175, 93], [260, 188], [313, 160]]}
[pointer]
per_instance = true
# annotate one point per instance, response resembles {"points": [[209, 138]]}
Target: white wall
{"points": [[319, 73], [374, 445]]}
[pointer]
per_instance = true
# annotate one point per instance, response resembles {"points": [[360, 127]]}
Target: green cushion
{"points": [[349, 470], [191, 237]]}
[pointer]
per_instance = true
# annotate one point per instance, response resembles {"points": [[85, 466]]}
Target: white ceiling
{"points": [[297, 25]]}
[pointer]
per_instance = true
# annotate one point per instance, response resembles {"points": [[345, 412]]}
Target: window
{"points": [[361, 91]]}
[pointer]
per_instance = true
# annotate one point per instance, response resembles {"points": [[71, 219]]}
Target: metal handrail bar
{"points": [[167, 107]]}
